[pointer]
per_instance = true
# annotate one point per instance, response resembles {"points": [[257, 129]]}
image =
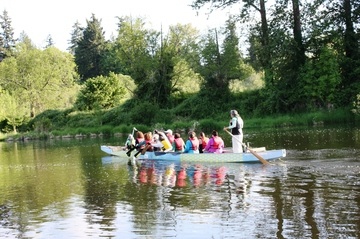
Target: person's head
{"points": [[156, 137], [215, 133], [148, 136], [169, 131], [192, 134], [177, 135], [202, 135], [234, 113], [139, 135]]}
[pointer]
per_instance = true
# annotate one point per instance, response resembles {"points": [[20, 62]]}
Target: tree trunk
{"points": [[300, 54]]}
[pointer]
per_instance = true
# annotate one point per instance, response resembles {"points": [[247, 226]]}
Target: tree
{"points": [[101, 92], [49, 41], [320, 80], [133, 53], [12, 110], [76, 36], [40, 79], [183, 39], [222, 63], [89, 50], [264, 53], [7, 42], [342, 18]]}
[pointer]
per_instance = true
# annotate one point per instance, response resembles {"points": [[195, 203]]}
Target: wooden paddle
{"points": [[251, 151], [142, 151]]}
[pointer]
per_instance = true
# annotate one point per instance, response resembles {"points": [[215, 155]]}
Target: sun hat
{"points": [[169, 131]]}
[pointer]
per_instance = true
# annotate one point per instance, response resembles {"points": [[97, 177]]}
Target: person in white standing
{"points": [[236, 124]]}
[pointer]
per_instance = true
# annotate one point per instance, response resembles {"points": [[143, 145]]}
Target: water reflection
{"points": [[72, 190], [171, 175]]}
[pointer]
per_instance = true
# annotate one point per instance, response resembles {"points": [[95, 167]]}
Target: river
{"points": [[68, 188]]}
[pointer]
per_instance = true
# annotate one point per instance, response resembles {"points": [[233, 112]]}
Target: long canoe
{"points": [[226, 157]]}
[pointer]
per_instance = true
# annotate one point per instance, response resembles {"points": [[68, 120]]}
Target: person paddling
{"points": [[139, 143]]}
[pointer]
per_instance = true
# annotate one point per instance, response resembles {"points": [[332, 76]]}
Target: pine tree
{"points": [[49, 42], [89, 49], [76, 36], [7, 40]]}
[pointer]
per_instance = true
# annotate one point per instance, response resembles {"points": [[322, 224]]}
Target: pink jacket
{"points": [[215, 145]]}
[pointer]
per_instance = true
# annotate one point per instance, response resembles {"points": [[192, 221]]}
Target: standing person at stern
{"points": [[236, 124]]}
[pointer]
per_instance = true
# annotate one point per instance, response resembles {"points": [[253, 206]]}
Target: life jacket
{"points": [[149, 146], [164, 140], [204, 142], [236, 129], [179, 144], [194, 143], [130, 143], [217, 142], [171, 138], [140, 143]]}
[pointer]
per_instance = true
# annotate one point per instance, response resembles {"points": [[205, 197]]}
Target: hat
{"points": [[169, 131]]}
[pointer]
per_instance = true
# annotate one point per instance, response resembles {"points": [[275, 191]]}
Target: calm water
{"points": [[70, 189]]}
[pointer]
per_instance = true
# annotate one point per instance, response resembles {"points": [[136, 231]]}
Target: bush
{"points": [[208, 125], [144, 113]]}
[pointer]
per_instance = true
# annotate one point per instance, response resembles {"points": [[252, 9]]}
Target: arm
{"points": [[232, 123], [187, 146]]}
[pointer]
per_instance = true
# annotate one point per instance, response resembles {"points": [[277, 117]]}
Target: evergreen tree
{"points": [[76, 36], [89, 50], [222, 63], [49, 42], [7, 40]]}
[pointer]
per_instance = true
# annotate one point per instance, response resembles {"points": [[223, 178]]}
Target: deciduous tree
{"points": [[40, 79]]}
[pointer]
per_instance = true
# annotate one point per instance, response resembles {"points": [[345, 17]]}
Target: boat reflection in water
{"points": [[169, 174]]}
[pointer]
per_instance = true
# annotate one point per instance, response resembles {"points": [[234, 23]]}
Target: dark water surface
{"points": [[70, 189]]}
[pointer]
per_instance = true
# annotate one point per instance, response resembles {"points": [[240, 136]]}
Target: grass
{"points": [[318, 118]]}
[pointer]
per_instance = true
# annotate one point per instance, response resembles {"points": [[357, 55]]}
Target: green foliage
{"points": [[116, 116], [39, 80], [164, 116], [43, 125], [194, 107], [89, 49], [181, 77], [100, 93], [82, 119], [12, 110], [132, 51], [144, 113], [320, 80], [49, 120], [208, 125]]}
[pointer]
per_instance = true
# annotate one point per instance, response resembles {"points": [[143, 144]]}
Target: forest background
{"points": [[300, 67]]}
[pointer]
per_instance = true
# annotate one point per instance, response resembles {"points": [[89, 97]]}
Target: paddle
{"points": [[142, 151], [251, 151]]}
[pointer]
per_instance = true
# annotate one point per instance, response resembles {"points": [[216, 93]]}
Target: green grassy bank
{"points": [[77, 127]]}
